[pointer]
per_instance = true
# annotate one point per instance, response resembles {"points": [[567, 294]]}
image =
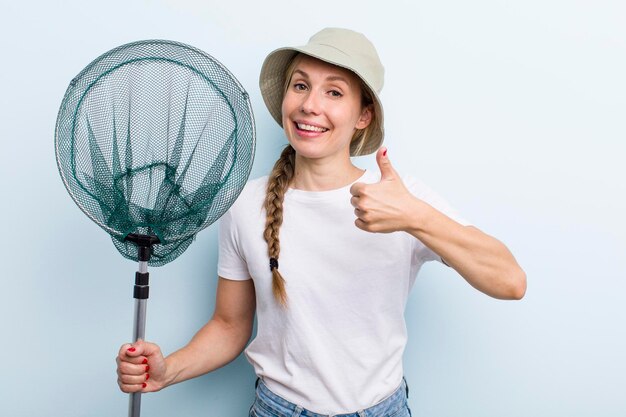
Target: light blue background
{"points": [[514, 111]]}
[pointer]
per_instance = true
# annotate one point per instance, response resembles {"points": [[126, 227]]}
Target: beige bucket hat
{"points": [[341, 47]]}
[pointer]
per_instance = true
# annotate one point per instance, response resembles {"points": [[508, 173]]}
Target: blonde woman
{"points": [[324, 252]]}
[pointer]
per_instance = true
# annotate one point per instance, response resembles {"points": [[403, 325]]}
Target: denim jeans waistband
{"points": [[277, 406]]}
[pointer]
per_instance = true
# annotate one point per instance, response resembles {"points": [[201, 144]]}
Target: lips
{"points": [[310, 128]]}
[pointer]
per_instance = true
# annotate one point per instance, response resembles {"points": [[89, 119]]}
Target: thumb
{"points": [[386, 170]]}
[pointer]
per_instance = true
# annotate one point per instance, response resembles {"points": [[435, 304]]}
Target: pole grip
{"points": [[140, 293], [139, 328]]}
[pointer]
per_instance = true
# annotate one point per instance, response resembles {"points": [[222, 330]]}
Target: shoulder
{"points": [[248, 203], [436, 200], [256, 186], [412, 183], [253, 191], [416, 186]]}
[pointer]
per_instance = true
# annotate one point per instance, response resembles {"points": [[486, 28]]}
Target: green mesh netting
{"points": [[155, 138]]}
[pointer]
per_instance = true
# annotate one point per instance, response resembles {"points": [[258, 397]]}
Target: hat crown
{"points": [[359, 54]]}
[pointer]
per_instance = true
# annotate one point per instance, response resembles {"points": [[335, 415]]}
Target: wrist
{"points": [[417, 217], [171, 372]]}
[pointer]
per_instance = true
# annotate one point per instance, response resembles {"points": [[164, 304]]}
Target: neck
{"points": [[324, 175]]}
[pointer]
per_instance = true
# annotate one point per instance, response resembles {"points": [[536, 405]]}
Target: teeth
{"points": [[310, 128]]}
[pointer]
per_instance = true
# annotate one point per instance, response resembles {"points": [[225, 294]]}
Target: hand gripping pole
{"points": [[140, 293]]}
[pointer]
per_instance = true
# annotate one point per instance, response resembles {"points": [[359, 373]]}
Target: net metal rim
{"points": [[204, 55]]}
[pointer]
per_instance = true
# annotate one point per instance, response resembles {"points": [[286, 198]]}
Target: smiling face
{"points": [[322, 108]]}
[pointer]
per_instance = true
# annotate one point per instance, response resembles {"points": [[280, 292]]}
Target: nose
{"points": [[311, 103]]}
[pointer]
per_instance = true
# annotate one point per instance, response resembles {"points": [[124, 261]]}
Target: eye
{"points": [[299, 86], [335, 93]]}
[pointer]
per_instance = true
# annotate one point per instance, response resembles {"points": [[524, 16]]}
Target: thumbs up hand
{"points": [[385, 206]]}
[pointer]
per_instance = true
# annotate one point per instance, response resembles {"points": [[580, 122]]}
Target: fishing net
{"points": [[154, 138]]}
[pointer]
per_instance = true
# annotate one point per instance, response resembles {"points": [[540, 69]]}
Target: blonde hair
{"points": [[282, 175], [277, 185]]}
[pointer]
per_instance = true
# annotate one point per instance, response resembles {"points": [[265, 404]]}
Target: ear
{"points": [[366, 117]]}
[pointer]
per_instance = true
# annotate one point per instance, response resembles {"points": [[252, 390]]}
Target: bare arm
{"points": [[482, 260], [141, 366], [222, 339]]}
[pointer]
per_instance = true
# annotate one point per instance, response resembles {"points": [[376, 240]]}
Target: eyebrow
{"points": [[330, 78]]}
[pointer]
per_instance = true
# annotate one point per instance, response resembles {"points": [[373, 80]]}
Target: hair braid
{"points": [[277, 184]]}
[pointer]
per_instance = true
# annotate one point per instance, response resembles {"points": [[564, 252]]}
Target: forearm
{"points": [[216, 344], [485, 262]]}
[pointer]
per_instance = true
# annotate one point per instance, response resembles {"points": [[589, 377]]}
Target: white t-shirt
{"points": [[337, 347]]}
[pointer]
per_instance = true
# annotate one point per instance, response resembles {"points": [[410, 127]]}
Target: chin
{"points": [[307, 152]]}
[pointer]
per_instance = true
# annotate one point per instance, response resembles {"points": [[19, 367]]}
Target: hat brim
{"points": [[272, 79]]}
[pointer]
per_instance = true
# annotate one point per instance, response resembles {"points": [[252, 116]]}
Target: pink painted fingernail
{"points": [[147, 377], [147, 368], [145, 361], [131, 349], [144, 385], [385, 152]]}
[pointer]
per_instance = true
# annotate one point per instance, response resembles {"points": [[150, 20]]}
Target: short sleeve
{"points": [[231, 263], [424, 193]]}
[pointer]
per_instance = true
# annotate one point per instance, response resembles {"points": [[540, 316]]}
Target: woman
{"points": [[324, 252]]}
